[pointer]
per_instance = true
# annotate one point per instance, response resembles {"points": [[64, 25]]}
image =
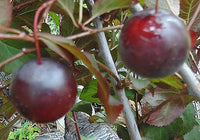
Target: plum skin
{"points": [[43, 93], [154, 45]]}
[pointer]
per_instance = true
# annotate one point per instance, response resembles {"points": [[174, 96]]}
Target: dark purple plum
{"points": [[154, 45], [43, 93]]}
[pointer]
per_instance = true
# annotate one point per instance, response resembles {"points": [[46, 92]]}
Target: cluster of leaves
{"points": [[26, 132], [162, 107]]}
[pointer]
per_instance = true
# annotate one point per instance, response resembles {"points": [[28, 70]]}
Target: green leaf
{"points": [[130, 93], [179, 127], [188, 118], [83, 106], [2, 125], [7, 109], [197, 121], [122, 132], [88, 138], [24, 16], [35, 128], [67, 27], [68, 6], [142, 2], [55, 18], [102, 6], [193, 134], [112, 106], [45, 28], [172, 81], [4, 133], [83, 76], [10, 48], [156, 133], [60, 51], [11, 135], [95, 118], [87, 43], [5, 13], [162, 133], [89, 92], [26, 124]]}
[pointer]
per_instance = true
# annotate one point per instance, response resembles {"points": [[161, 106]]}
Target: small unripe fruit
{"points": [[43, 93], [154, 45]]}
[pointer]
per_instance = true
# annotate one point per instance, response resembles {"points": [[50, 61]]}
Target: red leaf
{"points": [[164, 107], [112, 106], [187, 9], [194, 37]]}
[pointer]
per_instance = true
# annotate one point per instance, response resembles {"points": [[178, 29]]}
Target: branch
{"points": [[17, 37], [80, 12], [22, 53], [193, 84], [6, 29], [47, 6], [92, 31], [170, 7], [105, 52]]}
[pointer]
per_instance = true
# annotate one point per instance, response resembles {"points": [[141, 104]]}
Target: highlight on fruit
{"points": [[43, 93], [154, 45]]}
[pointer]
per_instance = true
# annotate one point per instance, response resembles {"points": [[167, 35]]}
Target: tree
{"points": [[85, 35]]}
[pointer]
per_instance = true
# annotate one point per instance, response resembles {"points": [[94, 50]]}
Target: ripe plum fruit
{"points": [[154, 45], [43, 93]]}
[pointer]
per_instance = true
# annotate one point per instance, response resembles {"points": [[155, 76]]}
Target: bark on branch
{"points": [[105, 52], [193, 84]]}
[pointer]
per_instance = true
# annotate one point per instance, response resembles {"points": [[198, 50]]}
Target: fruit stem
{"points": [[35, 29], [76, 124], [157, 6], [44, 6]]}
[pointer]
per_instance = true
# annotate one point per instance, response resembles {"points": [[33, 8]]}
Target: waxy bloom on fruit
{"points": [[43, 93], [154, 45]]}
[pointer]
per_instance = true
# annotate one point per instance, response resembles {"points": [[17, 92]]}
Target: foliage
{"points": [[26, 132], [177, 128], [163, 107]]}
